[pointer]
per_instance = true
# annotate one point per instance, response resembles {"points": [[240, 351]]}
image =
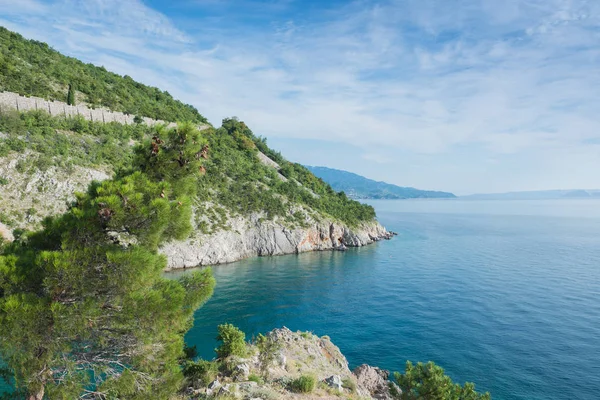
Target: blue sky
{"points": [[459, 95]]}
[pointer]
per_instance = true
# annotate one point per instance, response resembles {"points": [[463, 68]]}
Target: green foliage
{"points": [[233, 341], [429, 382], [83, 304], [348, 383], [172, 154], [306, 335], [64, 142], [33, 68], [202, 372], [268, 350], [71, 95], [235, 178], [190, 352], [303, 384], [242, 184], [256, 378]]}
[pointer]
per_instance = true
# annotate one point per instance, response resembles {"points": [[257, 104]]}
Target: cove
{"points": [[503, 294]]}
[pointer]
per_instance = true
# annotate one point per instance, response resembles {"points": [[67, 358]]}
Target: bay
{"points": [[505, 294]]}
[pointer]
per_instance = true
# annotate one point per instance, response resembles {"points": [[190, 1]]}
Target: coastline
{"points": [[250, 238]]}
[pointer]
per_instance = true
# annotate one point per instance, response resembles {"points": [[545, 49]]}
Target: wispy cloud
{"points": [[518, 77]]}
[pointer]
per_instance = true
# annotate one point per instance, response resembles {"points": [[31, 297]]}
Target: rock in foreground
{"points": [[297, 354]]}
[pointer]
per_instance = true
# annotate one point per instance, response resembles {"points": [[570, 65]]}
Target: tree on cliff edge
{"points": [[71, 95], [429, 382], [84, 310]]}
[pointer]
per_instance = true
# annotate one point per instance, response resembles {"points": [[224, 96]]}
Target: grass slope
{"points": [[235, 182], [33, 68]]}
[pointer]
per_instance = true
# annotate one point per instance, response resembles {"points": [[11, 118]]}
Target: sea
{"points": [[505, 294]]}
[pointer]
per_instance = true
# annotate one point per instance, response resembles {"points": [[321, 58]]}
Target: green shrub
{"points": [[3, 181], [255, 378], [203, 371], [190, 352], [349, 384], [428, 381], [233, 341], [303, 384], [268, 350], [264, 393]]}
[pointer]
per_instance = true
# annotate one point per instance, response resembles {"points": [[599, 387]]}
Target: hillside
{"points": [[33, 68], [251, 200], [91, 214], [246, 206], [359, 187]]}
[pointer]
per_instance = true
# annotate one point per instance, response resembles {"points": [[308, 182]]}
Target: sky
{"points": [[466, 96]]}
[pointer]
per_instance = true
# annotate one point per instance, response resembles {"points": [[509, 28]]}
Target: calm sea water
{"points": [[505, 294]]}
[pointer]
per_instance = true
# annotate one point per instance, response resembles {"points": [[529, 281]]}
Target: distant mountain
{"points": [[537, 195], [359, 187]]}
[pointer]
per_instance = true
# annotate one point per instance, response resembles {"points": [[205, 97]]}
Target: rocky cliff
{"points": [[298, 354], [27, 197], [248, 237]]}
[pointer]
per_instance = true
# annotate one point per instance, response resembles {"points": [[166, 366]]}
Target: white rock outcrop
{"points": [[248, 238]]}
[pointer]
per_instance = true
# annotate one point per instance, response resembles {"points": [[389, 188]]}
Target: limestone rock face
{"points": [[48, 192], [303, 354], [6, 233], [247, 237], [28, 197], [374, 381], [241, 372]]}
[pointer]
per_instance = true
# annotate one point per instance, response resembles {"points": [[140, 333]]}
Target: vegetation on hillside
{"points": [[84, 309], [418, 382], [235, 181], [64, 142], [33, 68], [429, 382], [239, 180]]}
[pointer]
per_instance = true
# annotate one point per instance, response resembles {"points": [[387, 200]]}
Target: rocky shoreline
{"points": [[251, 237], [299, 354]]}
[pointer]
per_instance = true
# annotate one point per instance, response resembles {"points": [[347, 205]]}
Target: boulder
{"points": [[214, 384], [6, 233], [374, 381], [228, 390], [281, 360], [241, 372], [334, 381]]}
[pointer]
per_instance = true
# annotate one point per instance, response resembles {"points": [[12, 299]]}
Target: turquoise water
{"points": [[504, 294]]}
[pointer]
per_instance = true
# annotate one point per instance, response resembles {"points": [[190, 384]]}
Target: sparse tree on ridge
{"points": [[71, 95]]}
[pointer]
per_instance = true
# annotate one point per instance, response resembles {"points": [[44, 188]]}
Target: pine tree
{"points": [[429, 382], [84, 309], [71, 95]]}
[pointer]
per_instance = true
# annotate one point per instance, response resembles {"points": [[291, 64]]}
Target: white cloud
{"points": [[421, 76]]}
